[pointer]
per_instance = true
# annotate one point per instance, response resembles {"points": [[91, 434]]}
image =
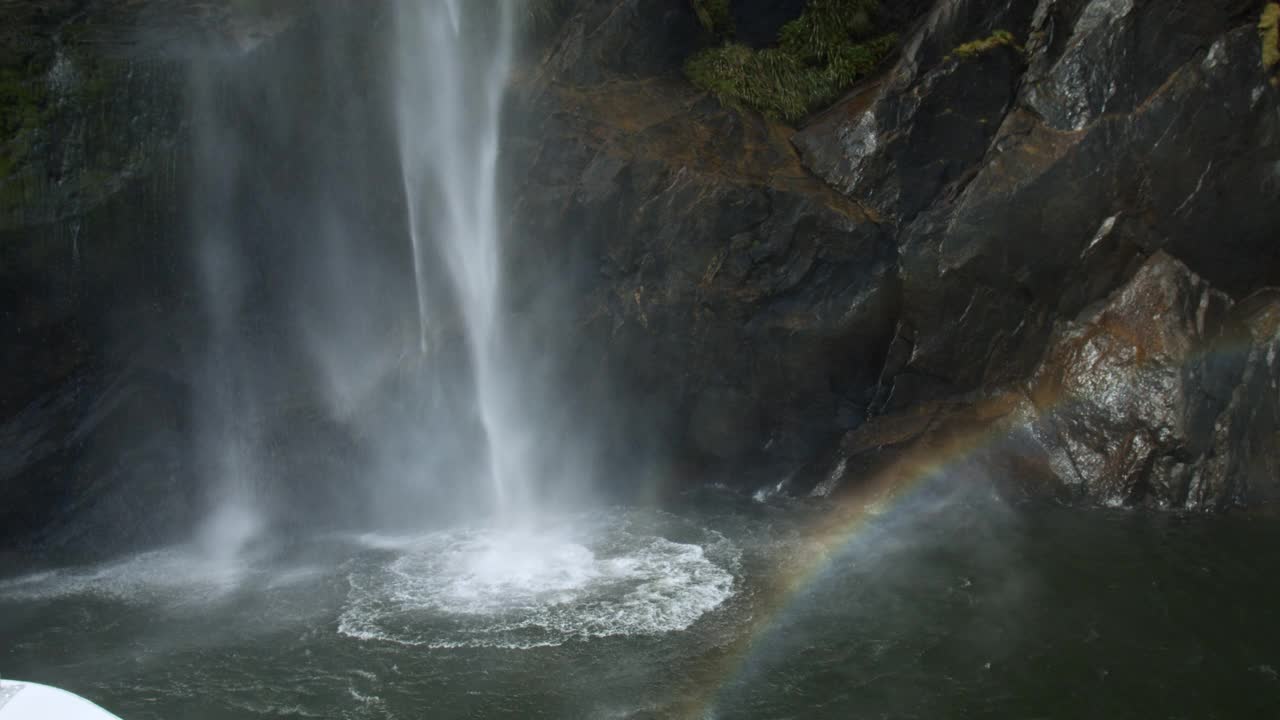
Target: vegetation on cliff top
{"points": [[819, 55]]}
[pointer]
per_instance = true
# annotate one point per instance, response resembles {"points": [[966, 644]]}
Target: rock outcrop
{"points": [[1117, 129], [1165, 395], [1131, 392]]}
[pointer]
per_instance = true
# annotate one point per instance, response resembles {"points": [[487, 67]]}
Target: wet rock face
{"points": [[901, 140], [1165, 395], [625, 39], [1118, 131], [741, 305], [1019, 163], [1245, 459], [1117, 128], [1136, 395]]}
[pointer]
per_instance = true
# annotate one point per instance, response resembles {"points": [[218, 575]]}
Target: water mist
{"points": [[453, 62], [227, 422]]}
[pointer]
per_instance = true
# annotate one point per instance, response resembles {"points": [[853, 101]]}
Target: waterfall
{"points": [[334, 384], [453, 62]]}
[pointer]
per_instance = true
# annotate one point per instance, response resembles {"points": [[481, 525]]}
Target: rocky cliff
{"points": [[1072, 201]]}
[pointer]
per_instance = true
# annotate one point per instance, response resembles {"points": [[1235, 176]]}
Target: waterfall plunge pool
{"points": [[726, 609]]}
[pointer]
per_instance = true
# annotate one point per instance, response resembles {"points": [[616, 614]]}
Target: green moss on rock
{"points": [[998, 39], [819, 55], [1269, 32], [779, 84]]}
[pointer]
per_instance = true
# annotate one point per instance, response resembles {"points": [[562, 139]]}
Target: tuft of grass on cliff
{"points": [[818, 56], [1269, 33], [975, 48], [828, 27]]}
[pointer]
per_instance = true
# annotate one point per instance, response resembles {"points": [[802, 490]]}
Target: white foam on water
{"points": [[609, 574], [182, 574], [490, 589], [150, 574]]}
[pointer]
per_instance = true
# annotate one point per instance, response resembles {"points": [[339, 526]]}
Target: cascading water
{"points": [[453, 61]]}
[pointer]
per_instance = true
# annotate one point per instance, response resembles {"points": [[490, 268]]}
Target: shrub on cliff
{"points": [[818, 56]]}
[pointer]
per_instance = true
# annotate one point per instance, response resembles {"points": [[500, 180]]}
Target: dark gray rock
{"points": [[624, 39], [1243, 463], [1128, 134], [1131, 391], [742, 304], [1165, 395], [1020, 185], [902, 138]]}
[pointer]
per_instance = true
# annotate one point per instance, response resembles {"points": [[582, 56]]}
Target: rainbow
{"points": [[935, 454], [856, 511]]}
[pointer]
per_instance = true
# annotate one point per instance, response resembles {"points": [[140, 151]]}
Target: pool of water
{"points": [[959, 607]]}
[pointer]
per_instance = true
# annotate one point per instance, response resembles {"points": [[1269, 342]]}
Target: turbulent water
{"points": [[972, 610]]}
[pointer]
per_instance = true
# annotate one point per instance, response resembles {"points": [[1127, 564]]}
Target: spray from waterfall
{"points": [[362, 357], [226, 441]]}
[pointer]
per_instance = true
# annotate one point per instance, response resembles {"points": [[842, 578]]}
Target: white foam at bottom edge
{"points": [[485, 589]]}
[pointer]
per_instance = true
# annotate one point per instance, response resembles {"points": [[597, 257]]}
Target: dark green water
{"points": [[962, 608]]}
